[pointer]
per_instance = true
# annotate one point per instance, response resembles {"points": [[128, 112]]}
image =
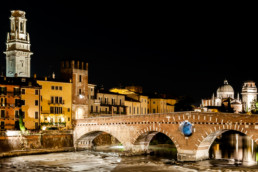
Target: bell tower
{"points": [[18, 46]]}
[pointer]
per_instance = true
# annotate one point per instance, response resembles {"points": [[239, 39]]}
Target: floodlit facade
{"points": [[18, 46], [30, 96], [56, 104], [9, 104], [77, 72], [249, 95], [226, 94], [19, 97]]}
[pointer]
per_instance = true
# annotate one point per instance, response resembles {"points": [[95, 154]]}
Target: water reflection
{"points": [[236, 147]]}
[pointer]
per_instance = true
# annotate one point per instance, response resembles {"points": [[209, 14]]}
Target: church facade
{"points": [[225, 98]]}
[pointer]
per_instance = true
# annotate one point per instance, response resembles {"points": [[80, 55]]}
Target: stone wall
{"points": [[44, 140]]}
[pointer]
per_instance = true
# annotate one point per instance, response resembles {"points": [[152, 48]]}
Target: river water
{"points": [[108, 161]]}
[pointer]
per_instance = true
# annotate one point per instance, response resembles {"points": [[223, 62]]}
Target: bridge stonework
{"points": [[135, 132]]}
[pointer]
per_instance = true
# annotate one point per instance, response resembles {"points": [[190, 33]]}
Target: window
{"points": [[36, 102], [80, 78], [2, 102], [41, 98], [52, 99], [2, 125], [56, 87], [23, 91], [52, 87], [60, 100], [36, 125], [153, 102], [36, 115], [2, 113], [16, 114], [52, 110], [56, 99], [16, 91], [3, 90], [60, 88], [68, 110], [80, 91], [60, 110], [36, 92], [68, 118], [91, 109], [21, 27]]}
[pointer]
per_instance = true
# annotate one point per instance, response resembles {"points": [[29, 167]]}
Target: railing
{"points": [[96, 101], [54, 124], [53, 102], [110, 104], [10, 104], [10, 93]]}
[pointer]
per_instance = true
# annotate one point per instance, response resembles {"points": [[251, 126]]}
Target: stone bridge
{"points": [[135, 132]]}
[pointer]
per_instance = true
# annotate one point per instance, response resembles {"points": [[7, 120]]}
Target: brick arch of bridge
{"points": [[205, 143], [85, 136], [144, 136]]}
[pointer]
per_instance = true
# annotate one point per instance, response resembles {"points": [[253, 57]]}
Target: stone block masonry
{"points": [[47, 141]]}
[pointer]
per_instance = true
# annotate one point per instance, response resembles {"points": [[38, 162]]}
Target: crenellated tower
{"points": [[77, 72], [18, 46]]}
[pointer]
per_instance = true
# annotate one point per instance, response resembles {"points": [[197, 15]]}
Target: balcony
{"points": [[54, 124], [14, 94], [56, 103], [10, 105], [96, 101]]}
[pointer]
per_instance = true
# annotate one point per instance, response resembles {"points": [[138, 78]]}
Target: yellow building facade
{"points": [[136, 104], [161, 105], [30, 95], [56, 104]]}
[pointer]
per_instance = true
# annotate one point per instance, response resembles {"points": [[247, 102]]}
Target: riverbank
{"points": [[34, 152]]}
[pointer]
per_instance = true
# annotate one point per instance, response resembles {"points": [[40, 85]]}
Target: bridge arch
{"points": [[86, 140], [205, 143], [143, 138]]}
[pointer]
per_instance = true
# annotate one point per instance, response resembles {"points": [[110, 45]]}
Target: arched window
{"points": [[21, 27]]}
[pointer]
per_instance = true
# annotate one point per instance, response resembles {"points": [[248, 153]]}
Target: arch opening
{"points": [[231, 145], [157, 143], [100, 141], [234, 146]]}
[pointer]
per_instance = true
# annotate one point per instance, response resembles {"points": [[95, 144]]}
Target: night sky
{"points": [[179, 49]]}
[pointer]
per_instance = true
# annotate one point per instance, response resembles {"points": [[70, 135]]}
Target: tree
{"points": [[21, 124]]}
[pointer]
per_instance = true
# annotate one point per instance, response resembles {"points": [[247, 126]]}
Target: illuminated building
{"points": [[77, 72], [137, 103], [30, 96], [249, 95], [56, 103], [18, 47], [105, 102], [10, 104], [225, 94], [160, 105], [19, 96]]}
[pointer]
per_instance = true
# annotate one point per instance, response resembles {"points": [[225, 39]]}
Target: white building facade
{"points": [[226, 93]]}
